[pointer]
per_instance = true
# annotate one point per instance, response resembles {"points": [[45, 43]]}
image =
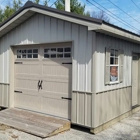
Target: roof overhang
{"points": [[29, 9], [109, 30], [14, 22]]}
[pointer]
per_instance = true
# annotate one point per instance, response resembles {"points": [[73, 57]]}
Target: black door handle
{"points": [[40, 84]]}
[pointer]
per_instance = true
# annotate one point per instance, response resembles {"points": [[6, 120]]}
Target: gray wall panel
{"points": [[75, 37], [110, 101], [82, 108], [104, 41], [60, 28], [89, 46], [4, 94], [45, 29], [111, 104]]}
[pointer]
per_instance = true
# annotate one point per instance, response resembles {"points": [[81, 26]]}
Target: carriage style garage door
{"points": [[43, 79]]}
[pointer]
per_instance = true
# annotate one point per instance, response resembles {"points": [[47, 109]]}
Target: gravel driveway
{"points": [[128, 129]]}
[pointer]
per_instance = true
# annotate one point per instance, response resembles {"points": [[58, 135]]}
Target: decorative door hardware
{"points": [[18, 62], [40, 84], [18, 91], [67, 63], [66, 98]]}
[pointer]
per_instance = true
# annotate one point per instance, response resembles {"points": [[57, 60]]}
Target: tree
{"points": [[1, 15], [45, 3], [75, 7], [38, 1], [17, 5], [101, 15], [8, 11]]}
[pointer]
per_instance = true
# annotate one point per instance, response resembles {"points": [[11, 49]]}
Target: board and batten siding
{"points": [[111, 101], [4, 94], [45, 29]]}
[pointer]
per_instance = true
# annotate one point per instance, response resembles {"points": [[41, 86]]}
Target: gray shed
{"points": [[69, 66]]}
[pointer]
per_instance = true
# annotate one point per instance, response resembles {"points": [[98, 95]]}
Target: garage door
{"points": [[43, 79]]}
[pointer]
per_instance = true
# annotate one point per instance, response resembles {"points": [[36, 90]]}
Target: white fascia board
{"points": [[90, 25], [116, 32], [66, 18], [14, 19]]}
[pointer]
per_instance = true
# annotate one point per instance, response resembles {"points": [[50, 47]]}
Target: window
{"points": [[64, 52], [27, 53], [114, 66]]}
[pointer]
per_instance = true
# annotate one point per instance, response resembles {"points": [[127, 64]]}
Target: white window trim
{"points": [[120, 66]]}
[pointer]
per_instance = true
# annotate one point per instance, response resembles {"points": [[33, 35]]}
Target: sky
{"points": [[122, 13]]}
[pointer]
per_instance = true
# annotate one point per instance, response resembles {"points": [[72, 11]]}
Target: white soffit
{"points": [[118, 33], [14, 19]]}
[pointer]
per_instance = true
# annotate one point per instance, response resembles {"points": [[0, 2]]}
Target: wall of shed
{"points": [[110, 101], [81, 108], [4, 93], [44, 29]]}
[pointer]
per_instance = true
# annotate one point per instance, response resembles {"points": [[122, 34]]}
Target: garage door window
{"points": [[27, 53], [57, 52]]}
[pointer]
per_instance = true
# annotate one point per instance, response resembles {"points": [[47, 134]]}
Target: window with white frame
{"points": [[27, 53], [61, 52], [114, 66]]}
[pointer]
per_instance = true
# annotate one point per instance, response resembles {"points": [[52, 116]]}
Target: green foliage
{"points": [[75, 6], [36, 1], [17, 4], [45, 3], [8, 11], [1, 15], [87, 14]]}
